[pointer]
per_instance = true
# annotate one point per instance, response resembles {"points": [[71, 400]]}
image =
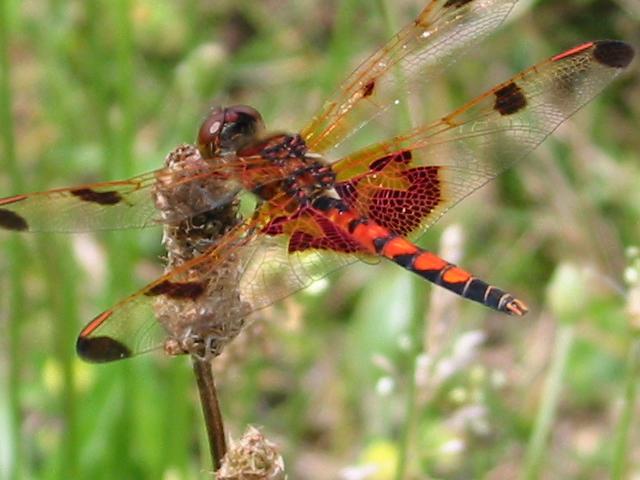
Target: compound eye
{"points": [[229, 129], [209, 133]]}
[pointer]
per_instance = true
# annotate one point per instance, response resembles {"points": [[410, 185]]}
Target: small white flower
{"points": [[453, 446], [358, 473], [469, 342], [385, 386]]}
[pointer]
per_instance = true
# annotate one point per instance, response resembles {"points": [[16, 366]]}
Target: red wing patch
{"points": [[401, 209], [332, 238], [311, 231]]}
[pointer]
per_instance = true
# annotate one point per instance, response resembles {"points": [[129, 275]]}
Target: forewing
{"points": [[408, 182], [442, 31], [114, 205]]}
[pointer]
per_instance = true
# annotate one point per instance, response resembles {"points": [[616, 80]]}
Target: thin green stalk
{"points": [[112, 86], [61, 289], [537, 448], [16, 255], [621, 451], [125, 58], [6, 101], [59, 269], [340, 49], [118, 163], [417, 326], [404, 443], [391, 25]]}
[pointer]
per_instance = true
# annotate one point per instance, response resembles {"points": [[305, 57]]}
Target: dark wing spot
{"points": [[190, 290], [456, 3], [367, 90], [103, 198], [509, 99], [12, 221], [404, 157], [101, 349], [379, 164], [613, 53]]}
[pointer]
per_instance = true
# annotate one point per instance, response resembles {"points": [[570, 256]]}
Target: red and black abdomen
{"points": [[378, 240]]}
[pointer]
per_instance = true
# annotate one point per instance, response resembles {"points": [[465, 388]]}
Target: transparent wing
{"points": [[421, 50], [107, 205], [129, 203]]}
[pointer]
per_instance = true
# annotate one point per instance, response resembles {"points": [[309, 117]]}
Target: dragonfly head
{"points": [[226, 130]]}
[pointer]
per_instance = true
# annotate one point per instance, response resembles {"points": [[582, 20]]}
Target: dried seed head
{"points": [[197, 213], [252, 458]]}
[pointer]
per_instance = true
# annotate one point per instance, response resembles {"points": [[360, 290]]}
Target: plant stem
{"points": [[417, 326], [16, 257], [118, 162], [551, 396], [210, 410], [621, 446]]}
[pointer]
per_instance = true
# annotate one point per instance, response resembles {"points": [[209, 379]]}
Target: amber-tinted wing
{"points": [[408, 182], [421, 50], [114, 205], [254, 265]]}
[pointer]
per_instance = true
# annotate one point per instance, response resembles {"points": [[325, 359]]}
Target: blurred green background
{"points": [[372, 374]]}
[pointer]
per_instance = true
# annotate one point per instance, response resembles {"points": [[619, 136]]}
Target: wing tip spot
{"points": [[101, 349], [610, 53], [12, 221], [613, 53]]}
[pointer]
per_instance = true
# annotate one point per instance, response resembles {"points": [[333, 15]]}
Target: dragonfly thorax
{"points": [[276, 165], [286, 170]]}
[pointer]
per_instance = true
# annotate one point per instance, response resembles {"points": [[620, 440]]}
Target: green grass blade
{"points": [[622, 449], [17, 255]]}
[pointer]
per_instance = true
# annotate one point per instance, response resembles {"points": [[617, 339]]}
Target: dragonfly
{"points": [[315, 210]]}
